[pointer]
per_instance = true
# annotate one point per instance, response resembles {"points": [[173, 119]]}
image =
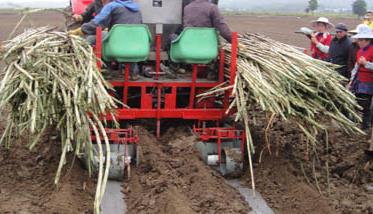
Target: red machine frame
{"points": [[146, 111], [220, 134], [120, 136]]}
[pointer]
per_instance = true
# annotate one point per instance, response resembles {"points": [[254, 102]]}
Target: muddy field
{"points": [[294, 179], [172, 179]]}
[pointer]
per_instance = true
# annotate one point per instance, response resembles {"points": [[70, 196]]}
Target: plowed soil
{"points": [[173, 179], [293, 179], [26, 182]]}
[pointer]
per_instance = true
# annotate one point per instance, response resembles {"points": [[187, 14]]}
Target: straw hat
{"points": [[355, 31], [323, 20], [363, 32]]}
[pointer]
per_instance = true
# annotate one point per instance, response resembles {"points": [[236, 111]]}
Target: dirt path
{"points": [[172, 179]]}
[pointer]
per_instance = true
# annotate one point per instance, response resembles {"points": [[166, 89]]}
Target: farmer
{"points": [[321, 38], [202, 13], [339, 49], [92, 9], [114, 12], [361, 82], [368, 19], [354, 48]]}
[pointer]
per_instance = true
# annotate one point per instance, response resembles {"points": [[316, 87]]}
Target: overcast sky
{"points": [[276, 5], [16, 1]]}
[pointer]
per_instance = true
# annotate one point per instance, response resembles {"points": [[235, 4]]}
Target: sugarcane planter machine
{"points": [[160, 98]]}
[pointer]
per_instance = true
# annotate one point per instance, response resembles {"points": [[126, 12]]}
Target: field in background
{"points": [[279, 27], [282, 27]]}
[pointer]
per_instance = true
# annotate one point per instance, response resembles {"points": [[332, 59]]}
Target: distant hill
{"points": [[285, 5], [251, 5]]}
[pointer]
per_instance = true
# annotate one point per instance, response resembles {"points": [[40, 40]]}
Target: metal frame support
{"points": [[98, 48], [193, 87]]}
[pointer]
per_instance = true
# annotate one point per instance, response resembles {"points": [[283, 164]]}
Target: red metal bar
{"points": [[165, 84], [186, 114], [158, 56], [170, 99], [157, 73], [243, 141], [120, 136], [233, 68], [221, 66], [159, 94], [193, 86], [125, 83], [219, 146], [98, 48]]}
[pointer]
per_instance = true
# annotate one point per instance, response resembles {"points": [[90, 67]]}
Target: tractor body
{"points": [[160, 98]]}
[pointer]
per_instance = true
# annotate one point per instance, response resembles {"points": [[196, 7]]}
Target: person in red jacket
{"points": [[361, 82], [321, 39]]}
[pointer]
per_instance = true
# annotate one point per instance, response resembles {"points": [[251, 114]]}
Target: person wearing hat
{"points": [[361, 82], [321, 39], [368, 19], [354, 48], [339, 49]]}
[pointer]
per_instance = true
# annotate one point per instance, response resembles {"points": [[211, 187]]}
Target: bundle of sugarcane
{"points": [[284, 81], [51, 81], [289, 84]]}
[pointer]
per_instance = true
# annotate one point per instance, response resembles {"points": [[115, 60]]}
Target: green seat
{"points": [[195, 46], [127, 43]]}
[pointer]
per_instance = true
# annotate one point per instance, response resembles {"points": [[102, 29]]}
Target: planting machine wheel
{"points": [[222, 149], [124, 153], [232, 162]]}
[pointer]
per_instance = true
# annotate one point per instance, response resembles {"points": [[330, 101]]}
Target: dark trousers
{"points": [[365, 100]]}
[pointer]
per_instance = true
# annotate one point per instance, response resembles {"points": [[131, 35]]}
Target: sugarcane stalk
{"points": [[51, 80]]}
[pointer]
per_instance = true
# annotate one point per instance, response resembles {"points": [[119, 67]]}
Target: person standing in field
{"points": [[339, 49], [321, 38], [354, 48], [361, 82], [368, 19]]}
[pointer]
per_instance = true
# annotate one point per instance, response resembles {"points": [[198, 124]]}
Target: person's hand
{"points": [[313, 38], [241, 46], [78, 18], [77, 32], [363, 61]]}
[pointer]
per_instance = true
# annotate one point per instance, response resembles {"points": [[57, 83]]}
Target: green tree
{"points": [[313, 5], [359, 7]]}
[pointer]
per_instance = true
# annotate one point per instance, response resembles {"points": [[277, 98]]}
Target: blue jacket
{"points": [[115, 12]]}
